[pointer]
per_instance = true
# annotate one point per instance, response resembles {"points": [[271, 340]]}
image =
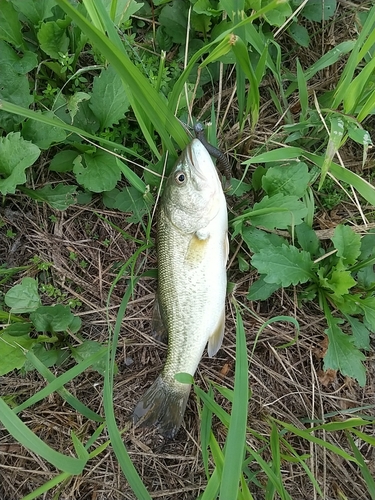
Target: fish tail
{"points": [[163, 405]]}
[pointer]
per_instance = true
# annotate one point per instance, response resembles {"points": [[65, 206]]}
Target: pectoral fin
{"points": [[159, 330], [196, 251], [216, 339]]}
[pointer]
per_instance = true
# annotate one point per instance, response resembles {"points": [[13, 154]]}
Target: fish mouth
{"points": [[199, 160]]}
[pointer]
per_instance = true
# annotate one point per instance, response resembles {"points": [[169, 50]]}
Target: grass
{"points": [[285, 410]]}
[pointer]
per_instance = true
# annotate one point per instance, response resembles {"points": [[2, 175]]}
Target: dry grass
{"points": [[287, 384]]}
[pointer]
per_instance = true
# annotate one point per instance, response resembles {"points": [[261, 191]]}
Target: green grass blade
{"points": [[242, 56], [206, 422], [334, 142], [55, 481], [234, 447], [56, 122], [364, 188], [275, 479], [341, 173], [223, 416], [302, 463], [302, 89], [142, 93], [276, 461], [64, 393], [212, 489], [367, 108], [306, 434], [366, 473], [29, 440], [331, 57], [122, 455], [360, 48]]}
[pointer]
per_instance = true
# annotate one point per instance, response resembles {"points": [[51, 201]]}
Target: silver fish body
{"points": [[192, 245]]}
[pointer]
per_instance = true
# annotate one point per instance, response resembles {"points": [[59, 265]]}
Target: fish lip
{"points": [[200, 172]]}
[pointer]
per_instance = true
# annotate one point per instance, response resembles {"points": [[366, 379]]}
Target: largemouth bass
{"points": [[192, 246]]}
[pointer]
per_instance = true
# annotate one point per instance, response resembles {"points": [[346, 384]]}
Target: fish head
{"points": [[193, 193]]}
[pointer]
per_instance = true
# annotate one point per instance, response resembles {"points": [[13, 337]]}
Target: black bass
{"points": [[192, 245]]}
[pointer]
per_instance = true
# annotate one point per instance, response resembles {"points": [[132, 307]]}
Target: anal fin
{"points": [[216, 339]]}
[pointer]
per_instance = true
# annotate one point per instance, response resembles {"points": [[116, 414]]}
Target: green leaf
{"points": [[277, 211], [285, 265], [63, 161], [278, 15], [200, 23], [316, 10], [35, 10], [52, 318], [367, 246], [287, 179], [97, 172], [260, 290], [10, 26], [368, 307], [347, 243], [87, 349], [16, 155], [59, 197], [41, 134], [340, 282], [53, 39], [24, 297], [256, 239], [72, 103], [366, 277], [109, 101], [342, 354], [173, 18], [184, 378], [12, 351], [14, 84], [49, 357], [18, 329], [299, 34], [131, 200], [307, 238], [361, 335], [125, 9], [238, 187]]}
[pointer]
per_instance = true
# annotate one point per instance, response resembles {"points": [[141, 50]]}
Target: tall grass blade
{"points": [[56, 384], [361, 46], [56, 122], [366, 473], [29, 440], [142, 93], [306, 434], [341, 173], [122, 455], [272, 476], [234, 447]]}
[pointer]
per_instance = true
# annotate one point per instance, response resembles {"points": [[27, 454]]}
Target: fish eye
{"points": [[180, 178]]}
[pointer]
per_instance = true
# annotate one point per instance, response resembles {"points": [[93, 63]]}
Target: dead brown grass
{"points": [[287, 384]]}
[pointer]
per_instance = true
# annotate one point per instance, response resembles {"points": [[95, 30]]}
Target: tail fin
{"points": [[163, 405]]}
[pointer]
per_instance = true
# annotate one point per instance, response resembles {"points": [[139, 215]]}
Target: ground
{"points": [[286, 383]]}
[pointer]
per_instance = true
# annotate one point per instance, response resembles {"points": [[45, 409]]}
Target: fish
{"points": [[192, 249]]}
